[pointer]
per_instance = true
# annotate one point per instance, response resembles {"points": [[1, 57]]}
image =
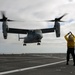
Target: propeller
{"points": [[4, 18], [57, 19]]}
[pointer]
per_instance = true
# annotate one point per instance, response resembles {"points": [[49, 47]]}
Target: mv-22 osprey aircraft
{"points": [[33, 36]]}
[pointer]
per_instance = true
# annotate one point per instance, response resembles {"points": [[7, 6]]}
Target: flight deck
{"points": [[35, 64]]}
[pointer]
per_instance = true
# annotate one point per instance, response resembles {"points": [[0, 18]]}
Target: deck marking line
{"points": [[29, 68]]}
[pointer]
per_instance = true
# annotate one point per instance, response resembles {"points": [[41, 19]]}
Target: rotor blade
{"points": [[50, 20], [3, 14], [57, 19], [61, 17], [1, 20], [4, 18], [14, 20], [10, 20], [62, 21]]}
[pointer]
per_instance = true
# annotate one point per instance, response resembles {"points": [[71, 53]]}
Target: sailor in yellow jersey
{"points": [[70, 38]]}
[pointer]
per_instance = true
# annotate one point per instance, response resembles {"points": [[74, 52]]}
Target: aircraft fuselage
{"points": [[33, 36]]}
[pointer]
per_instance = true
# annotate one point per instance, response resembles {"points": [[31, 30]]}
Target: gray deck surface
{"points": [[15, 62]]}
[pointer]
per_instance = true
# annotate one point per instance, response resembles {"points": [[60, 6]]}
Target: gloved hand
{"points": [[70, 33]]}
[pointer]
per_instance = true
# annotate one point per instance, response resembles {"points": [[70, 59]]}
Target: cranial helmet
{"points": [[70, 37]]}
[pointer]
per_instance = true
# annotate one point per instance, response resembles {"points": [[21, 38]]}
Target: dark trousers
{"points": [[70, 51]]}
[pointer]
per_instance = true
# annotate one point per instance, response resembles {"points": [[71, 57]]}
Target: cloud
{"points": [[33, 13]]}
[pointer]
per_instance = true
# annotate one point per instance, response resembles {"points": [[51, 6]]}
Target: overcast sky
{"points": [[33, 13]]}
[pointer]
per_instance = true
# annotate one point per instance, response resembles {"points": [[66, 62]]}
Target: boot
{"points": [[67, 63]]}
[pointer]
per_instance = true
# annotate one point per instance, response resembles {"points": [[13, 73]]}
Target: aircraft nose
{"points": [[39, 36]]}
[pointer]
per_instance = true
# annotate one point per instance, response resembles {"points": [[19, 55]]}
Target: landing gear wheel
{"points": [[24, 44], [38, 43]]}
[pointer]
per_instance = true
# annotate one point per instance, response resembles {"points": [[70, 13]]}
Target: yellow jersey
{"points": [[70, 43]]}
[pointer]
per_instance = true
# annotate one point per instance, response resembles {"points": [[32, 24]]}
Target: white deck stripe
{"points": [[29, 68]]}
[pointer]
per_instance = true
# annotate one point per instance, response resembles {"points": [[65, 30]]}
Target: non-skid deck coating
{"points": [[35, 64]]}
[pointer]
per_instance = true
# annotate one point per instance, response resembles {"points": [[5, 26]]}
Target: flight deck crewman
{"points": [[70, 46]]}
